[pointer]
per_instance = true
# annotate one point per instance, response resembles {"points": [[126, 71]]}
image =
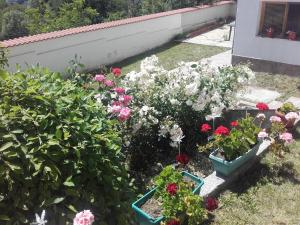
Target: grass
{"points": [[287, 85], [170, 55], [270, 194]]}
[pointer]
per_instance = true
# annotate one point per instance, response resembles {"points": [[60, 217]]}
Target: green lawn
{"points": [[287, 85], [270, 193], [170, 55], [267, 195]]}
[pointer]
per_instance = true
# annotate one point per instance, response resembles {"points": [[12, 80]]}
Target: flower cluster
{"points": [[192, 90], [262, 106], [221, 130], [84, 218], [118, 101], [172, 188], [211, 203], [182, 158], [173, 222]]}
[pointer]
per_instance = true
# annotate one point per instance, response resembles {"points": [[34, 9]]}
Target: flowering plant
{"points": [[237, 141], [178, 201], [166, 104]]}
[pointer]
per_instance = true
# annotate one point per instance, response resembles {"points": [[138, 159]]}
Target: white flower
{"points": [[40, 220], [164, 130], [189, 102], [262, 134], [176, 134], [191, 89], [174, 101], [292, 115], [261, 116]]}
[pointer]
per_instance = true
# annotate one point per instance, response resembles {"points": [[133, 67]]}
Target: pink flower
{"points": [[119, 90], [117, 103], [274, 119], [287, 137], [116, 109], [109, 83], [124, 114], [262, 134], [126, 99], [99, 78], [84, 218], [116, 71], [291, 116]]}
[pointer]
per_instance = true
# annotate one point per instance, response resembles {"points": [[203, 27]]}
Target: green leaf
{"points": [[6, 146], [17, 131], [4, 217], [69, 184], [4, 75], [72, 208]]}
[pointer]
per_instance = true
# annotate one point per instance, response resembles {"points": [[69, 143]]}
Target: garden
{"points": [[116, 148]]}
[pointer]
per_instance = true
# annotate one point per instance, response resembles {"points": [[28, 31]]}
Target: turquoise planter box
{"points": [[145, 219], [226, 168]]}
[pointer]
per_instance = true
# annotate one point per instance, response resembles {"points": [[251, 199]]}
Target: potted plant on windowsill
{"points": [[174, 199], [288, 114], [292, 35], [270, 32]]}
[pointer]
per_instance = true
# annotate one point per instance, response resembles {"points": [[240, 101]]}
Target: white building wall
{"points": [[110, 45], [248, 44]]}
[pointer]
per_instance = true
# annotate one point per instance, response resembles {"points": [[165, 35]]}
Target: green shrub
{"points": [[58, 152]]}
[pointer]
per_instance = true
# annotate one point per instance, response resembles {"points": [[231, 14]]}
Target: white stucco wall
{"points": [[248, 44], [110, 45]]}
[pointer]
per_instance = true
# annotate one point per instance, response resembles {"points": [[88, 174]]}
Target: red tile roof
{"points": [[76, 30]]}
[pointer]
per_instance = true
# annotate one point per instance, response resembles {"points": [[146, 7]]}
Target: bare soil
{"points": [[153, 207]]}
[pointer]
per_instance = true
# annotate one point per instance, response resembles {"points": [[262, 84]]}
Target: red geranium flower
{"points": [[116, 71], [262, 106], [211, 204], [173, 222], [172, 188], [221, 130], [205, 128], [182, 158], [234, 123]]}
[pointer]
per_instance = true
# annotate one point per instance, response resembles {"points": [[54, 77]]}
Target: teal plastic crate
{"points": [[143, 218], [226, 168]]}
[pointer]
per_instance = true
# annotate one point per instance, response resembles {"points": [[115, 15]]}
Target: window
{"points": [[280, 20]]}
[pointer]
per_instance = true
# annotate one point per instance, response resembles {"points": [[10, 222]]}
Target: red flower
{"points": [[182, 158], [211, 204], [234, 123], [173, 222], [205, 128], [221, 130], [262, 106], [172, 188], [116, 71]]}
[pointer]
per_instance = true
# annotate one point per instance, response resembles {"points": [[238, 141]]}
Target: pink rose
{"points": [[84, 218], [124, 114], [287, 137], [274, 119], [119, 90], [109, 83], [99, 77]]}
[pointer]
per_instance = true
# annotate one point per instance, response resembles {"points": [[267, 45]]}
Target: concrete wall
{"points": [[113, 44], [247, 44]]}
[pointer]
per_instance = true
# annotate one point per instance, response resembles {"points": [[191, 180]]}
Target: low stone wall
{"points": [[107, 43]]}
